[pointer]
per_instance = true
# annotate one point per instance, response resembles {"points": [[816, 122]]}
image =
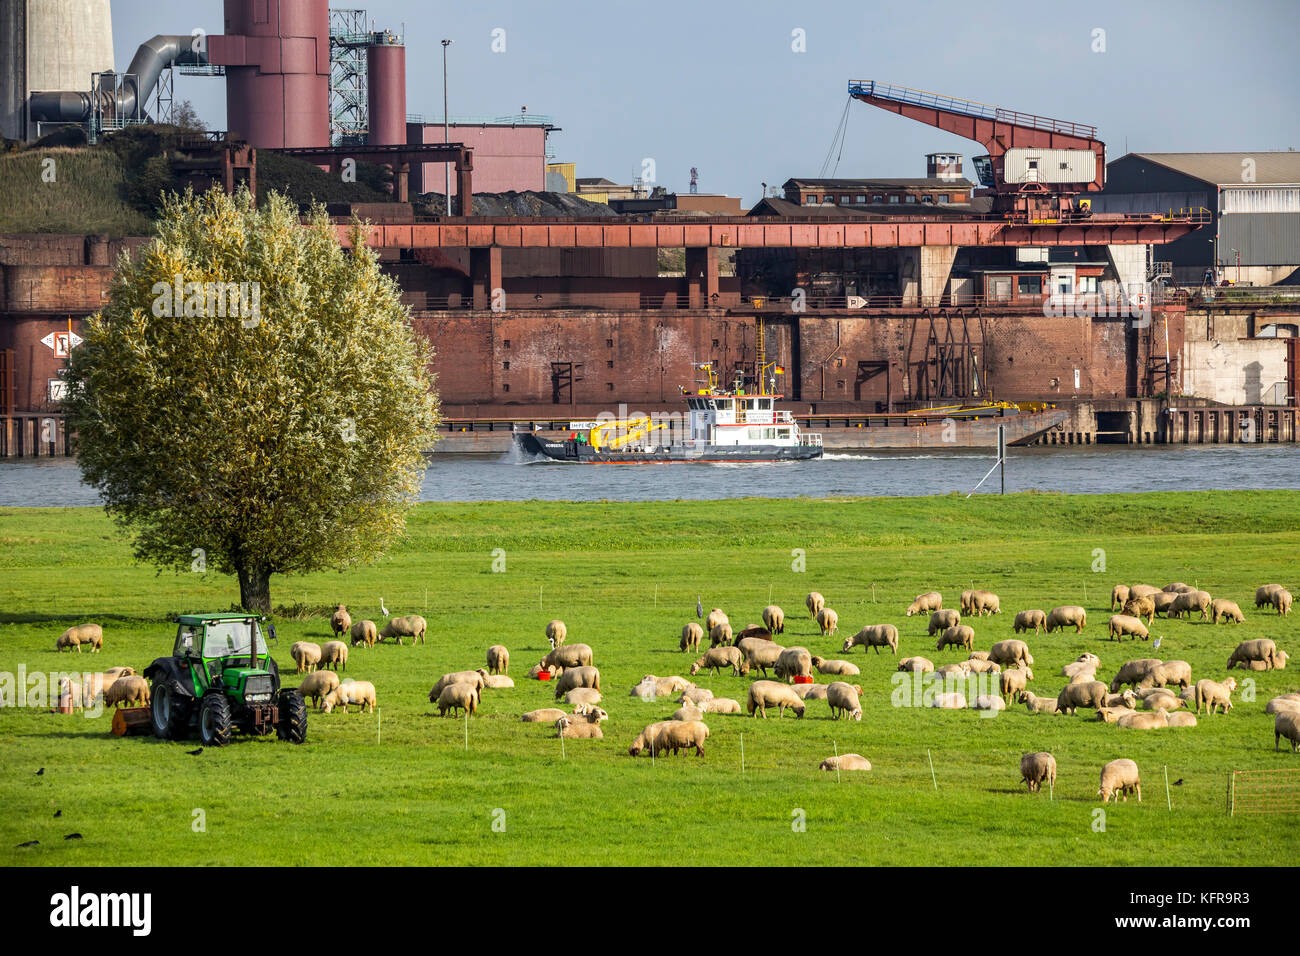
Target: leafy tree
{"points": [[278, 427], [186, 117]]}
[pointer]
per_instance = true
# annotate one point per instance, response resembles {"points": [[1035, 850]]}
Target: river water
{"points": [[1090, 470]]}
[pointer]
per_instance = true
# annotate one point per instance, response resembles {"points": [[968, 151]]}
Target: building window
{"points": [[1030, 285], [810, 200], [910, 198], [506, 366], [505, 388], [893, 198], [877, 197], [609, 364], [505, 344], [609, 343], [840, 385], [609, 386], [929, 199], [1087, 284], [1063, 285], [859, 198], [942, 197], [715, 343]]}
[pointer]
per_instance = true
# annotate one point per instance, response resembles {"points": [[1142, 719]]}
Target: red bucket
{"points": [[543, 675], [799, 679]]}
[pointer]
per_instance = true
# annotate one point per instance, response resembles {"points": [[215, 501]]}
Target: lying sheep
{"points": [[306, 655], [585, 696], [943, 619], [810, 691], [1189, 601], [1261, 650], [1073, 696], [454, 697], [828, 621], [1140, 607], [958, 671], [1228, 610], [498, 659], [1133, 672], [929, 601], [716, 617], [1162, 702], [1140, 720], [315, 686], [1031, 620], [716, 658], [978, 666], [774, 619], [412, 626], [1111, 715], [720, 634], [577, 677], [573, 655], [1121, 624], [768, 693], [1011, 682], [1181, 719], [364, 632], [1213, 694], [340, 621], [874, 635], [722, 705], [1287, 724], [1287, 702], [547, 715], [359, 692], [1011, 653], [651, 687], [793, 662], [576, 728], [845, 762], [1036, 768], [917, 665], [1038, 705], [692, 634], [1085, 670], [949, 701], [687, 712], [843, 700], [1168, 672], [590, 712], [495, 681], [840, 668], [1067, 615], [1120, 778], [814, 602], [1126, 699], [989, 702], [556, 632], [537, 669], [127, 690], [334, 654], [1119, 595], [79, 634], [695, 695], [959, 635], [978, 655]]}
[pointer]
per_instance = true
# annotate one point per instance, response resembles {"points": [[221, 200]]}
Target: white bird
{"points": [[383, 609], [1156, 644], [699, 608]]}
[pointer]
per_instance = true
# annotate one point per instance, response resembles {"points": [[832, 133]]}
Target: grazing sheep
{"points": [[1036, 704], [716, 658], [917, 665], [1228, 610], [1036, 768], [1287, 702], [1213, 694], [364, 632], [978, 666], [572, 655], [572, 728], [556, 632], [687, 712], [127, 690], [984, 602], [1141, 607], [720, 634], [793, 662], [1065, 616], [874, 635], [498, 659], [1133, 672], [843, 700], [315, 686], [79, 634], [677, 736], [959, 635], [840, 668], [463, 697], [722, 705], [1140, 720], [692, 634], [763, 657], [949, 701], [1120, 778], [1282, 601], [582, 695], [943, 619], [929, 601], [828, 621], [340, 621], [715, 618], [743, 644], [845, 762], [1181, 719], [1261, 650], [1168, 672], [768, 693], [412, 626], [989, 702], [1189, 601], [359, 692], [648, 739], [333, 654], [774, 618], [1121, 624], [1287, 724], [1031, 620], [695, 695], [1011, 682], [1011, 653], [1073, 696], [1142, 590], [1119, 596], [1177, 587], [577, 677], [547, 715], [811, 691], [495, 681], [306, 655], [814, 602], [1264, 595]]}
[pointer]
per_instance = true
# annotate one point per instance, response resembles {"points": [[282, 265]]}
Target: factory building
{"points": [[510, 153]]}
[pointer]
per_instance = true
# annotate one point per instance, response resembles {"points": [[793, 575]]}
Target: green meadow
{"points": [[406, 787]]}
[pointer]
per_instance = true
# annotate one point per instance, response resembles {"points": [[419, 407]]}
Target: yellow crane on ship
{"points": [[626, 431]]}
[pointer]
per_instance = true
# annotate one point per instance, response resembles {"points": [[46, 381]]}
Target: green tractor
{"points": [[220, 677]]}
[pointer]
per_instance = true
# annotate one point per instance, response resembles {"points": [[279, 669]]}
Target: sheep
{"points": [[648, 739], [1111, 715], [1036, 704], [495, 681], [364, 632], [572, 728], [412, 626], [840, 668], [127, 690], [843, 700], [1031, 620], [498, 659], [793, 662], [917, 665], [811, 691], [591, 712], [1121, 624], [360, 692], [1228, 610], [1143, 721], [116, 672], [306, 655], [959, 635], [1119, 595], [1215, 694], [695, 695], [1011, 682], [334, 653], [828, 621], [1140, 607], [340, 621], [577, 677], [768, 693], [774, 619], [1287, 724], [1189, 601], [978, 655], [582, 695], [1079, 671], [1142, 590], [715, 618], [763, 657], [978, 666], [692, 634], [814, 602], [984, 602], [1260, 650], [1067, 614], [556, 632], [1036, 768], [1166, 673], [79, 634], [722, 705], [929, 601], [1132, 672], [1011, 653], [547, 715], [716, 658], [1287, 702], [743, 644], [683, 735], [463, 697], [315, 686], [1162, 702], [535, 671], [1177, 587], [949, 701], [1282, 602], [456, 677], [845, 762], [989, 702], [957, 671], [1120, 778], [720, 634], [572, 655], [687, 712], [874, 635], [1181, 719], [1126, 699], [943, 619], [1143, 692], [651, 686], [1091, 694], [1264, 595]]}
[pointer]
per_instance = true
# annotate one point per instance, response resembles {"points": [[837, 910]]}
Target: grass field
{"points": [[625, 578]]}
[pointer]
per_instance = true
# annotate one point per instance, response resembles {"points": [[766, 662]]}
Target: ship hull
{"points": [[578, 453]]}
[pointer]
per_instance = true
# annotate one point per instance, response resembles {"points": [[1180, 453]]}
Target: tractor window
{"points": [[229, 638], [187, 641]]}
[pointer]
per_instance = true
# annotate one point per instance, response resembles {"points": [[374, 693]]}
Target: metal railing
{"points": [[955, 104]]}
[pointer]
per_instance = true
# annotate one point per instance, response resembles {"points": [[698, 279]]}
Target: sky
{"points": [[753, 91]]}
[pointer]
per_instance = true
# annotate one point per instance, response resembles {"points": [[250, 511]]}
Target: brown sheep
{"points": [[767, 693], [929, 601], [692, 634], [1031, 620], [1213, 694], [1228, 610], [774, 618], [1120, 777], [1036, 768], [498, 659], [943, 619], [959, 635], [340, 621], [364, 632], [1066, 615]]}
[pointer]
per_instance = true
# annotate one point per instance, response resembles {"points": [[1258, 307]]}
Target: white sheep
{"points": [[1120, 777], [360, 692], [498, 659]]}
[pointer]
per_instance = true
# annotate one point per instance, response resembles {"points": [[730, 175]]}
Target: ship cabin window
{"points": [[765, 403], [769, 432], [783, 432]]}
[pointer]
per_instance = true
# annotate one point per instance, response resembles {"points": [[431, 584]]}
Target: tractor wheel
{"points": [[293, 717], [169, 713], [214, 720]]}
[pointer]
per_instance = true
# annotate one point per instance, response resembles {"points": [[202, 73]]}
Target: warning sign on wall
{"points": [[61, 342]]}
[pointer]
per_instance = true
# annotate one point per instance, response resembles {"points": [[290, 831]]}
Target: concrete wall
{"points": [[1223, 364]]}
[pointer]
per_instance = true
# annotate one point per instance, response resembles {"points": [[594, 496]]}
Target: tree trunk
{"points": [[255, 588]]}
